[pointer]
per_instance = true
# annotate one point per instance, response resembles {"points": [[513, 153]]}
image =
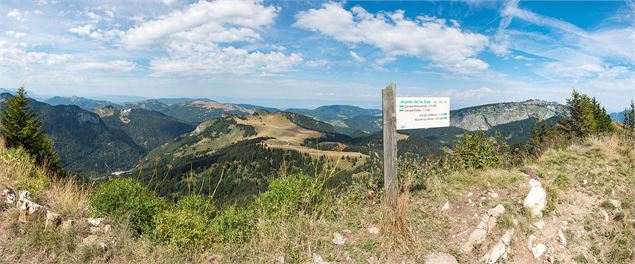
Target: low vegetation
{"points": [[586, 167]]}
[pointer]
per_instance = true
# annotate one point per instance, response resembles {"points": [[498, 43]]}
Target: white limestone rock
{"points": [[496, 211], [536, 199], [538, 250], [540, 224], [338, 239], [440, 258]]}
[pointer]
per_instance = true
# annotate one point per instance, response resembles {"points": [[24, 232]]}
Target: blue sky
{"points": [[309, 53]]}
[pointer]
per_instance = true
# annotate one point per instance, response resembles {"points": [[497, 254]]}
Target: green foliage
{"points": [[289, 195], [233, 225], [629, 117], [20, 127], [587, 116], [148, 129], [16, 161], [477, 151], [126, 200], [187, 224]]}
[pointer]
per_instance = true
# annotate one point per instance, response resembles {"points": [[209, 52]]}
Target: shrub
{"points": [[194, 222], [289, 195], [233, 225], [187, 224], [478, 151], [128, 201], [197, 203]]}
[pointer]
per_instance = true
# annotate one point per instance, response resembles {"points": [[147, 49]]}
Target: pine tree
{"points": [[629, 117], [582, 120], [602, 119], [20, 127]]}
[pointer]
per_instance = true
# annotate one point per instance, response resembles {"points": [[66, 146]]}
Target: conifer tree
{"points": [[629, 117], [20, 127], [602, 119], [582, 120]]}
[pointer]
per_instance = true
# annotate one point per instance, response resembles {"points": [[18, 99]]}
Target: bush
{"points": [[477, 151], [289, 195], [194, 222], [233, 225], [197, 203], [127, 201], [186, 225]]}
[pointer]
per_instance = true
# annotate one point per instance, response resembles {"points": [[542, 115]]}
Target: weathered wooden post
{"points": [[391, 191], [406, 113]]}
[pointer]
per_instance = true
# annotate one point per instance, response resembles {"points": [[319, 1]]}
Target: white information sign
{"points": [[422, 112]]}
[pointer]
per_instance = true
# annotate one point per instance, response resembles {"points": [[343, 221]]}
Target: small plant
{"points": [[127, 200], [289, 195], [187, 224], [580, 259], [233, 225], [607, 205], [477, 151]]}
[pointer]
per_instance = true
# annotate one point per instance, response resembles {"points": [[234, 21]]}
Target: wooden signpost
{"points": [[406, 113]]}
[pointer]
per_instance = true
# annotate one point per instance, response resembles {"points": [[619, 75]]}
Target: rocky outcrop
{"points": [[488, 222], [484, 117], [500, 249]]}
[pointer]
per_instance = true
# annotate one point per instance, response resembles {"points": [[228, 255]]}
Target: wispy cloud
{"points": [[445, 44]]}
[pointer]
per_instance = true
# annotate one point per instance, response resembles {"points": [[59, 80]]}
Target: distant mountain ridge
{"points": [[330, 113], [484, 117], [82, 102], [85, 144], [114, 137], [618, 116]]}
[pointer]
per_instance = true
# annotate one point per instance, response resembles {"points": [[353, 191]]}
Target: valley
{"points": [[116, 137], [174, 144]]}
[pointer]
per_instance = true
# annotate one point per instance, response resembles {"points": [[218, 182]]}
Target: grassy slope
{"points": [[607, 164]]}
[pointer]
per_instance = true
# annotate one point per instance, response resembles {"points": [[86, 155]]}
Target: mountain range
{"points": [[97, 137]]}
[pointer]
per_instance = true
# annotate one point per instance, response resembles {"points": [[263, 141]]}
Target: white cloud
{"points": [[16, 55], [115, 65], [356, 57], [194, 39], [428, 38], [316, 63], [14, 34], [169, 2], [520, 57], [192, 59], [467, 94], [602, 44], [17, 15], [559, 69], [97, 33], [241, 18]]}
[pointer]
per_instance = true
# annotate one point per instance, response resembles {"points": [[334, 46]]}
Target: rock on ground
{"points": [[52, 220], [440, 258], [446, 206], [538, 250], [536, 199], [338, 239]]}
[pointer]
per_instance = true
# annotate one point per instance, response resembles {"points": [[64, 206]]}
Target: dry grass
{"points": [[407, 233], [68, 197]]}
